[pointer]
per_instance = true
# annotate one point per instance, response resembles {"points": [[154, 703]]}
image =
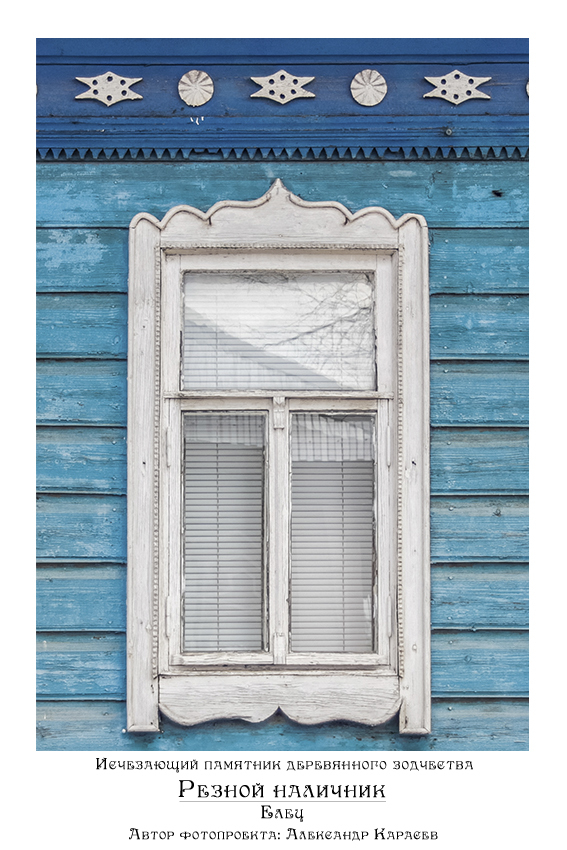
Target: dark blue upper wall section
{"points": [[330, 124]]}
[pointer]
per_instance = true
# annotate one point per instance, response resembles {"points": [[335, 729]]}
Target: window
{"points": [[278, 544]]}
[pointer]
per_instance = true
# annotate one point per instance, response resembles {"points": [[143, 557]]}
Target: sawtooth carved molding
{"points": [[109, 88], [368, 87], [195, 88], [457, 87], [313, 152], [282, 87]]}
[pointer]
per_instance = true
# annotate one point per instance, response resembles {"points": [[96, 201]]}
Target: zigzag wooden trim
{"points": [[276, 153]]}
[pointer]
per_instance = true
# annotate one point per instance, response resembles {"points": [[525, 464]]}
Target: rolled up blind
{"points": [[332, 536], [223, 532], [262, 330]]}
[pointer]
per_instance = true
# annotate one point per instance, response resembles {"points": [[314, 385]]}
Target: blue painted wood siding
{"points": [[233, 124], [477, 214]]}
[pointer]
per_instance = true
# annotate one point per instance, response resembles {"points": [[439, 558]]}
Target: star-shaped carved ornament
{"points": [[282, 87], [457, 87], [109, 88]]}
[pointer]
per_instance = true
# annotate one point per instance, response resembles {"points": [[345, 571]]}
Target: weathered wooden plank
{"points": [[473, 596], [475, 663], [467, 260], [91, 194], [481, 663], [479, 460], [468, 596], [479, 260], [81, 392], [95, 326], [81, 598], [479, 528], [89, 259], [81, 459], [479, 326], [82, 665], [463, 460], [67, 51], [92, 527], [487, 393], [88, 527], [457, 725], [87, 325]]}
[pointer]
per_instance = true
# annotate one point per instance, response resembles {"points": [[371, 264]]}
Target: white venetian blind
{"points": [[332, 540], [262, 330], [223, 532]]}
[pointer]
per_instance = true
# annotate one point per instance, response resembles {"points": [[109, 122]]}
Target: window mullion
{"points": [[278, 525]]}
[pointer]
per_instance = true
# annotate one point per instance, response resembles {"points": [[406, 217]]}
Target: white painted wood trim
{"points": [[142, 713], [279, 231], [278, 539], [415, 713], [306, 698], [276, 219]]}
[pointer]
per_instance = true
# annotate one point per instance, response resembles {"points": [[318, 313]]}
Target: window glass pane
{"points": [[264, 330], [223, 532], [332, 540]]}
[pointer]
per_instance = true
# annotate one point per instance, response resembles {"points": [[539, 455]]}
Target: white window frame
{"points": [[278, 232]]}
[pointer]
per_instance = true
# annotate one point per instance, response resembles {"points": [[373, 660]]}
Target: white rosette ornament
{"points": [[195, 88], [368, 87]]}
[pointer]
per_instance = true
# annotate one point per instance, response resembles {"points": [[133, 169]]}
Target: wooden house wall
{"points": [[477, 214]]}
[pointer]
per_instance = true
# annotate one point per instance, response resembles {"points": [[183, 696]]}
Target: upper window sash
{"points": [[363, 313], [279, 331]]}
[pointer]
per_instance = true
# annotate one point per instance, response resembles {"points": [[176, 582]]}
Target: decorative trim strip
{"points": [[413, 152], [156, 453], [400, 455], [277, 192]]}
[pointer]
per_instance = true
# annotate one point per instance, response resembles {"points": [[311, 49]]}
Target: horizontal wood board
{"points": [[457, 725], [91, 194], [94, 325], [81, 459], [61, 50], [479, 460], [81, 392], [463, 460], [87, 527], [472, 260], [87, 326], [94, 393], [482, 663], [491, 393], [233, 90], [468, 596], [463, 528]]}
